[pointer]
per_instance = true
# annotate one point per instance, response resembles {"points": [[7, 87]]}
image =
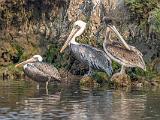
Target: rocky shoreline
{"points": [[41, 27]]}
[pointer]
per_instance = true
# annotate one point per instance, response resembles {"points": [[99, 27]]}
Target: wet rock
{"points": [[136, 84], [155, 81], [88, 81], [156, 65], [15, 58], [121, 80], [18, 76], [5, 76]]}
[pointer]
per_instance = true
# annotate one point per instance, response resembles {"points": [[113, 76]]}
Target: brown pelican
{"points": [[121, 52], [93, 57], [39, 71]]}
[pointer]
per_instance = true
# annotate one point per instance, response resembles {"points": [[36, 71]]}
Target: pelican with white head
{"points": [[91, 56], [120, 51], [78, 28], [40, 71]]}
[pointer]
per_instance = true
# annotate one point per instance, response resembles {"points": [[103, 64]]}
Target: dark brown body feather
{"points": [[128, 58], [42, 72], [93, 57]]}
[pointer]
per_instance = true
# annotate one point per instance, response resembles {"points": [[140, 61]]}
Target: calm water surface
{"points": [[21, 100]]}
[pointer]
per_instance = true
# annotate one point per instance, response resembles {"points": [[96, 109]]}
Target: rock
{"points": [[88, 81], [121, 80], [155, 81], [5, 75], [136, 84], [155, 65], [51, 21]]}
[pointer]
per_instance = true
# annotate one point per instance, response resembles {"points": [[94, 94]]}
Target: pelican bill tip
{"points": [[143, 68], [61, 51], [17, 65], [63, 48]]}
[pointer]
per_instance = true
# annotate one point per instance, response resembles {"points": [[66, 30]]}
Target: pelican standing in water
{"points": [[119, 51], [91, 56], [39, 71]]}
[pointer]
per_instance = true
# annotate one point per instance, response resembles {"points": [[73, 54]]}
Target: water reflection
{"points": [[21, 100]]}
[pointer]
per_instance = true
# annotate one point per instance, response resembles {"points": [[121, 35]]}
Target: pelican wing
{"points": [[93, 57], [48, 69], [34, 73], [129, 58]]}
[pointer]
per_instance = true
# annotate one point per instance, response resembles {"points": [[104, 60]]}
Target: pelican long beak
{"points": [[73, 32], [112, 27], [25, 62]]}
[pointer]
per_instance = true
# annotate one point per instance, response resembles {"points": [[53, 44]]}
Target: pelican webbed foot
{"points": [[46, 88], [37, 86]]}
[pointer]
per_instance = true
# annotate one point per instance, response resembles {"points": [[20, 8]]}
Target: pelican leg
{"points": [[122, 70], [47, 88], [49, 78], [37, 86], [47, 84]]}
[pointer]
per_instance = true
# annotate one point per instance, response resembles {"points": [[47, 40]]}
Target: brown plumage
{"points": [[39, 71], [42, 72], [128, 58], [121, 52]]}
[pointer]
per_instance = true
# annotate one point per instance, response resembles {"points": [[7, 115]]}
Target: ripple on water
{"points": [[22, 101]]}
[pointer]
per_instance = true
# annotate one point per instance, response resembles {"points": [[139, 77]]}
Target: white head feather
{"points": [[82, 26], [38, 57]]}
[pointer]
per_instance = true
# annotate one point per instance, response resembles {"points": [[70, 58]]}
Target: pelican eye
{"points": [[77, 27], [107, 21], [36, 58]]}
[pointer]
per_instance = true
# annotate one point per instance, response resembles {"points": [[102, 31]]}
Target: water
{"points": [[21, 100]]}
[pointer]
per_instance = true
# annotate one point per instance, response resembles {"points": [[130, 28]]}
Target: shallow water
{"points": [[21, 100]]}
